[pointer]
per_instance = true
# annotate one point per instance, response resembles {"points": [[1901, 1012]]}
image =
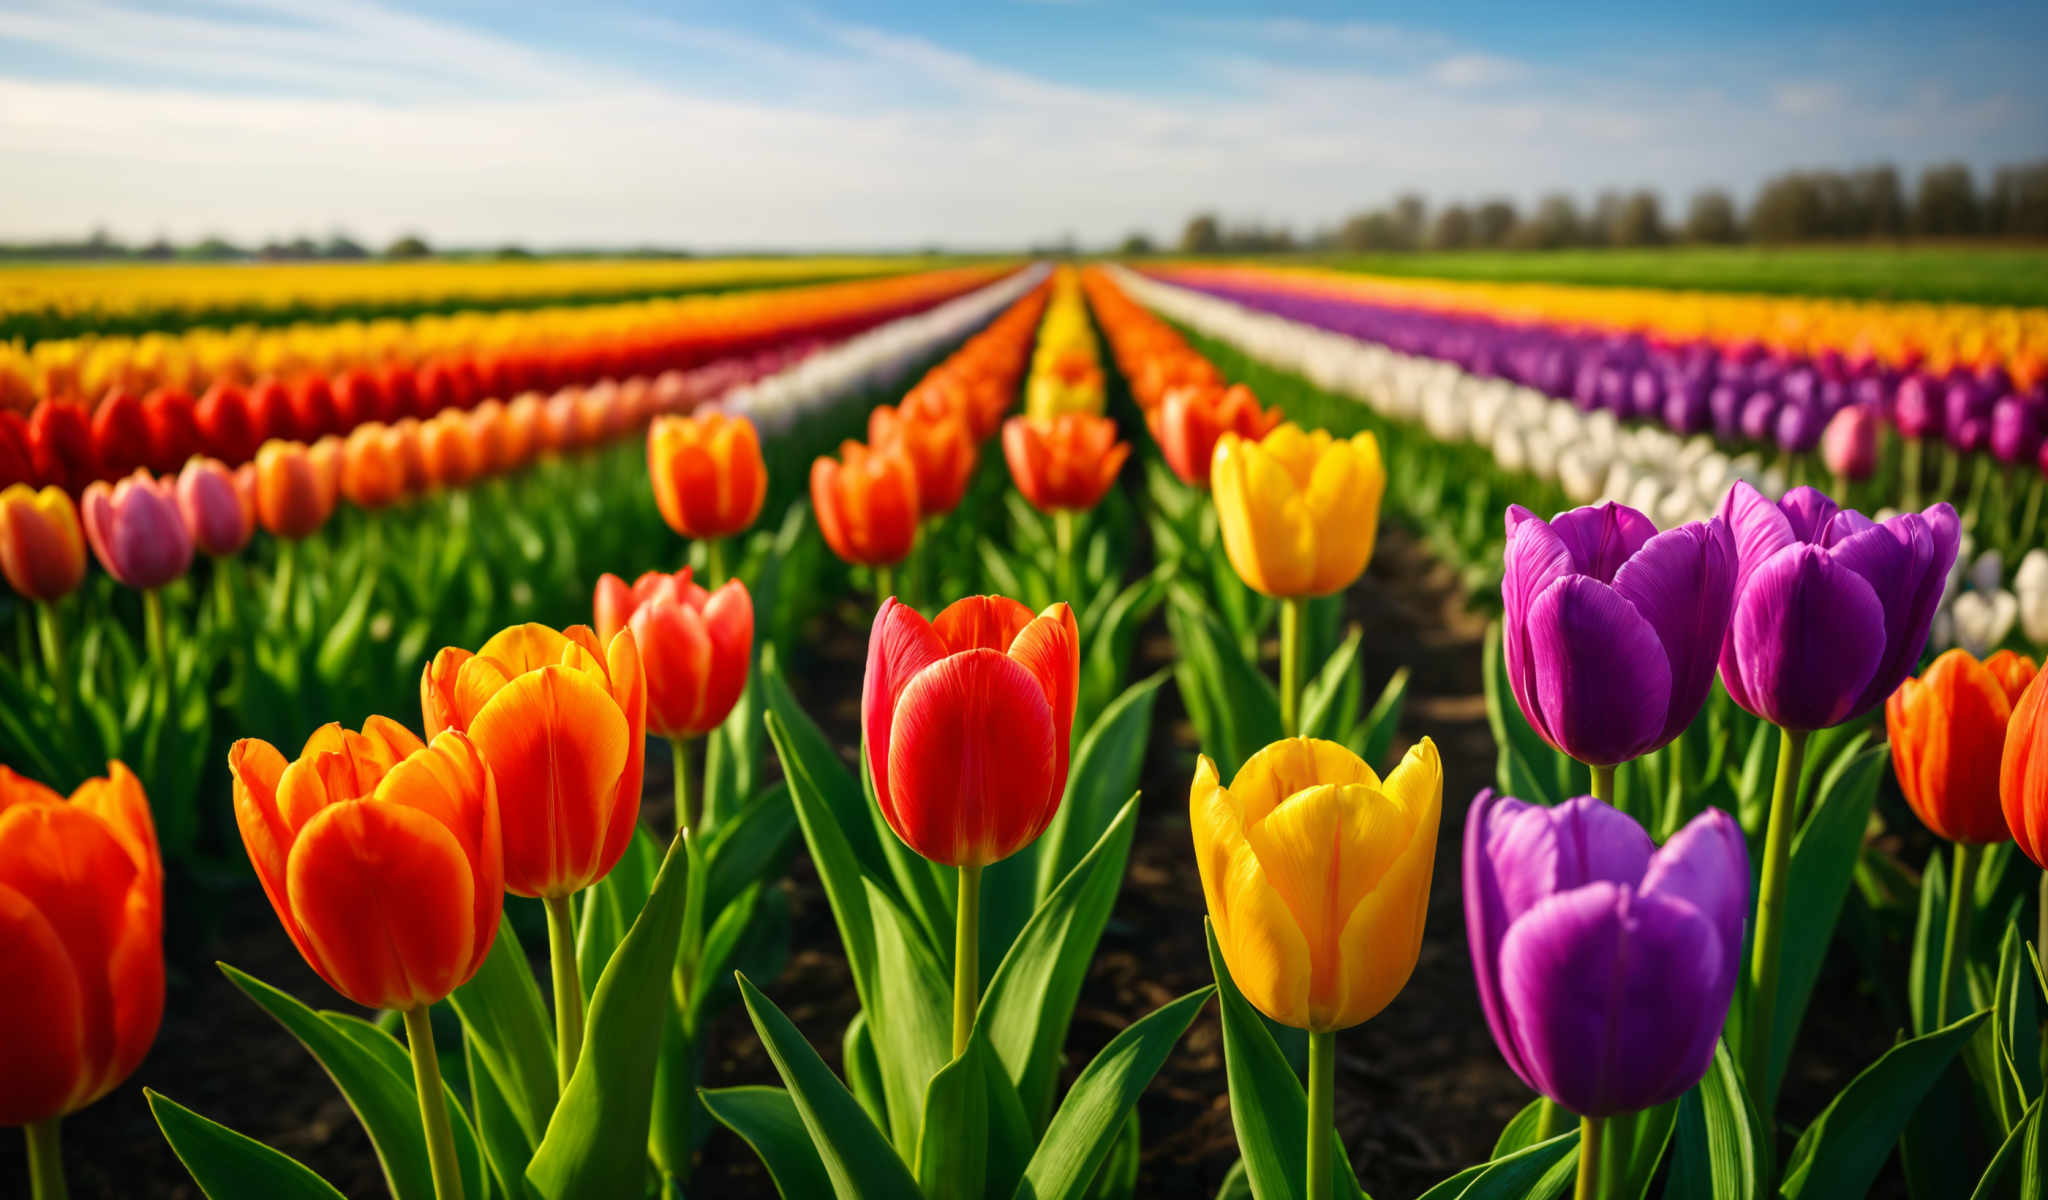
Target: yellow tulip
{"points": [[1299, 511], [1317, 876]]}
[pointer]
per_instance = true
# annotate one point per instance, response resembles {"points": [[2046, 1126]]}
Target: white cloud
{"points": [[1476, 70], [1806, 99]]}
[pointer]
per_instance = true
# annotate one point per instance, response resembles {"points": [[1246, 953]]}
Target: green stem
{"points": [[2033, 513], [966, 959], [1770, 920], [1063, 552], [1980, 479], [159, 644], [1955, 946], [52, 631], [45, 1161], [1910, 470], [1841, 486], [281, 582], [714, 562], [1590, 1131], [1603, 784], [686, 805], [2041, 934], [426, 1078], [885, 584], [1322, 1104], [568, 988], [224, 588], [1292, 611], [1548, 1116]]}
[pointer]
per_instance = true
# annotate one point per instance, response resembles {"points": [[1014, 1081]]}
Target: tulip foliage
{"points": [[1726, 746]]}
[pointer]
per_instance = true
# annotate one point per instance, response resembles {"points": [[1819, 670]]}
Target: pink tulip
{"points": [[136, 530], [221, 523]]}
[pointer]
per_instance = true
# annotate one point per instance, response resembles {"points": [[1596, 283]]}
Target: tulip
{"points": [[967, 723], [136, 530], [1612, 629], [866, 503], [292, 500], [227, 425], [173, 430], [42, 547], [695, 649], [1981, 621], [1188, 421], [1831, 611], [562, 721], [61, 444], [1605, 964], [120, 438], [2030, 586], [81, 932], [270, 407], [373, 466], [449, 448], [17, 457], [941, 452], [1066, 462], [212, 506], [708, 475], [2023, 784], [314, 415], [1299, 511], [1849, 445], [383, 859]]}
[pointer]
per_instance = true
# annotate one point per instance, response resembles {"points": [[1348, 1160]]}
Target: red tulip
{"points": [[120, 438], [695, 646], [17, 457], [967, 722], [1063, 462], [227, 424], [866, 503], [313, 411], [1188, 421], [172, 427], [270, 411], [941, 451], [359, 398], [42, 545], [60, 437]]}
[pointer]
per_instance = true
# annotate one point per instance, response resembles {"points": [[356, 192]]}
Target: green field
{"points": [[1997, 274]]}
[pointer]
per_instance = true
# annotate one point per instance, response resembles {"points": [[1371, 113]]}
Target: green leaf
{"points": [[1374, 734], [397, 1059], [1533, 1173], [1103, 773], [1330, 700], [1239, 704], [1718, 1150], [856, 1157], [228, 1166], [1521, 1130], [828, 834], [1641, 1136], [341, 648], [1268, 1107], [1928, 927], [1094, 1110], [506, 1023], [769, 1122], [383, 1100], [507, 1147], [2021, 1146], [911, 1020], [752, 845], [596, 1144], [1524, 769], [609, 907], [952, 1147], [2016, 1024], [863, 1069], [1030, 1001], [1841, 1152]]}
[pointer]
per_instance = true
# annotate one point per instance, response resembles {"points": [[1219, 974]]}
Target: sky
{"points": [[985, 124]]}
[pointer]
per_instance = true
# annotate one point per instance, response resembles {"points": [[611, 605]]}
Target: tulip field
{"points": [[955, 728]]}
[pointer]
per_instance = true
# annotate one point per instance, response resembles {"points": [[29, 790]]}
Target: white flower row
{"points": [[878, 359], [1591, 456]]}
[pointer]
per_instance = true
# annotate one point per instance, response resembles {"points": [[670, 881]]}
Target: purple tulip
{"points": [[1849, 443], [1605, 964], [1685, 405], [1799, 425], [136, 530], [1962, 402], [2015, 430], [1724, 406], [220, 523], [1914, 407], [1759, 416], [1612, 629], [1831, 608]]}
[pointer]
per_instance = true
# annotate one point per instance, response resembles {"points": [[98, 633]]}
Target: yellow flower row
{"points": [[84, 368], [1938, 336], [87, 289], [1066, 367]]}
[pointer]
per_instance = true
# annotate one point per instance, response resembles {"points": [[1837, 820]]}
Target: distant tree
{"points": [[1202, 235], [1606, 219], [1135, 243], [1946, 202], [1787, 209], [340, 245], [1880, 201], [1452, 229], [1493, 222], [512, 251], [160, 247], [1369, 232], [1641, 222], [215, 248], [1411, 212], [1711, 218], [411, 245], [1555, 223], [2018, 203]]}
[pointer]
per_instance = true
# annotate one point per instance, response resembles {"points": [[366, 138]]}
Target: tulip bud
{"points": [[708, 475], [1316, 873], [1947, 731], [1064, 462], [968, 722], [120, 437], [292, 500], [1849, 443], [450, 449], [17, 458], [136, 530], [380, 854], [562, 722], [941, 452], [1188, 421], [227, 425], [212, 506], [373, 473], [42, 548], [173, 430], [695, 646], [1299, 511], [866, 503], [81, 932], [1605, 964]]}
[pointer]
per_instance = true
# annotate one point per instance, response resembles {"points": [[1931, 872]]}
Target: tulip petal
{"points": [[1383, 936], [557, 744], [1602, 537], [900, 644], [1264, 948], [1683, 583], [1706, 864], [1292, 765], [1050, 648], [1759, 528], [1266, 527], [1324, 850], [981, 623], [1343, 503], [1603, 683], [1535, 558], [1906, 562], [971, 759], [42, 1008], [1611, 997], [1807, 635]]}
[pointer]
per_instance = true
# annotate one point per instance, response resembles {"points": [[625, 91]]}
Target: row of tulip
{"points": [[52, 300], [1982, 417], [1815, 617], [328, 376]]}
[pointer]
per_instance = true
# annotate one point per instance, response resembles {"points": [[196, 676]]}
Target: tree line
{"points": [[1798, 206]]}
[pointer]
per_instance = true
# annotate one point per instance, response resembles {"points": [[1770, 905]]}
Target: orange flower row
{"points": [[921, 453], [1184, 399]]}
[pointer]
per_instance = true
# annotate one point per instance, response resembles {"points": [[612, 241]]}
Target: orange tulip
{"points": [[81, 934], [1188, 420], [695, 646], [1063, 462], [2023, 774], [940, 451], [373, 466], [526, 433], [292, 500], [709, 477], [1948, 734], [450, 448], [381, 855], [867, 504], [42, 545], [562, 721]]}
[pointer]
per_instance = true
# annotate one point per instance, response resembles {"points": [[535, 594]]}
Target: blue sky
{"points": [[819, 125]]}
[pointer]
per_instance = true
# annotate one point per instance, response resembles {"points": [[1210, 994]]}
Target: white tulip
{"points": [[1988, 571], [2030, 584], [1983, 620]]}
